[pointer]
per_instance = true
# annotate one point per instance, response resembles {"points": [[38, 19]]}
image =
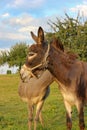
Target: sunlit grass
{"points": [[14, 114]]}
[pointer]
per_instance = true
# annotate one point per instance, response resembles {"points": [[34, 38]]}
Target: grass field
{"points": [[14, 115]]}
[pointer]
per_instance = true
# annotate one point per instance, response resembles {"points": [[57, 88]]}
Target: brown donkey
{"points": [[70, 73], [34, 88], [35, 81]]}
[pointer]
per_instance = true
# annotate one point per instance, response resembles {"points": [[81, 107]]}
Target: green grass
{"points": [[14, 114]]}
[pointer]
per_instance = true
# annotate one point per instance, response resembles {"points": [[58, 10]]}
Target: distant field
{"points": [[14, 115]]}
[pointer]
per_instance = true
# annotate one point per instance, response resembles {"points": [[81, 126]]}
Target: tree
{"points": [[73, 34], [16, 56], [3, 57]]}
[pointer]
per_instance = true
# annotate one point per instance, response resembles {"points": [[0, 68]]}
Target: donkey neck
{"points": [[60, 65]]}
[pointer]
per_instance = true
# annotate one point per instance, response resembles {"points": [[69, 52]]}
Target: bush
{"points": [[8, 71]]}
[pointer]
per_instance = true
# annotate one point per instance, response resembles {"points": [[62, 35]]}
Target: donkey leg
{"points": [[80, 109], [30, 119], [41, 119], [68, 115], [38, 110]]}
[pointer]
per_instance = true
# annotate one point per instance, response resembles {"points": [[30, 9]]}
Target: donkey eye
{"points": [[31, 53]]}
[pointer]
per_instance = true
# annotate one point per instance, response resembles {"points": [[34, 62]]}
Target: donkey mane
{"points": [[67, 58], [58, 44]]}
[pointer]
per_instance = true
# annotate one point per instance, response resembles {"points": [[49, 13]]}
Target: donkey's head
{"points": [[36, 53], [37, 50]]}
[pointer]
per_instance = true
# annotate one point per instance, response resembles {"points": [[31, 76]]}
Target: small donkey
{"points": [[34, 88]]}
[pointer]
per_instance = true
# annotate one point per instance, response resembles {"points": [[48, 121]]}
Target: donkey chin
{"points": [[24, 75]]}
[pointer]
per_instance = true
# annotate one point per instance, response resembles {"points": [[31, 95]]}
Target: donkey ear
{"points": [[40, 36], [35, 38]]}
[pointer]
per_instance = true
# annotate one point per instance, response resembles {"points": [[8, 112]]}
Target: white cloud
{"points": [[26, 3], [5, 15], [22, 20], [20, 27], [81, 8], [12, 36], [28, 29]]}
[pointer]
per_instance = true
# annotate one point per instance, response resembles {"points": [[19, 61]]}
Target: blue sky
{"points": [[19, 17]]}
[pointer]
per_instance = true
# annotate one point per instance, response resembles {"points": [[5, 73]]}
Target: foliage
{"points": [[3, 57], [73, 34], [8, 71], [16, 55]]}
